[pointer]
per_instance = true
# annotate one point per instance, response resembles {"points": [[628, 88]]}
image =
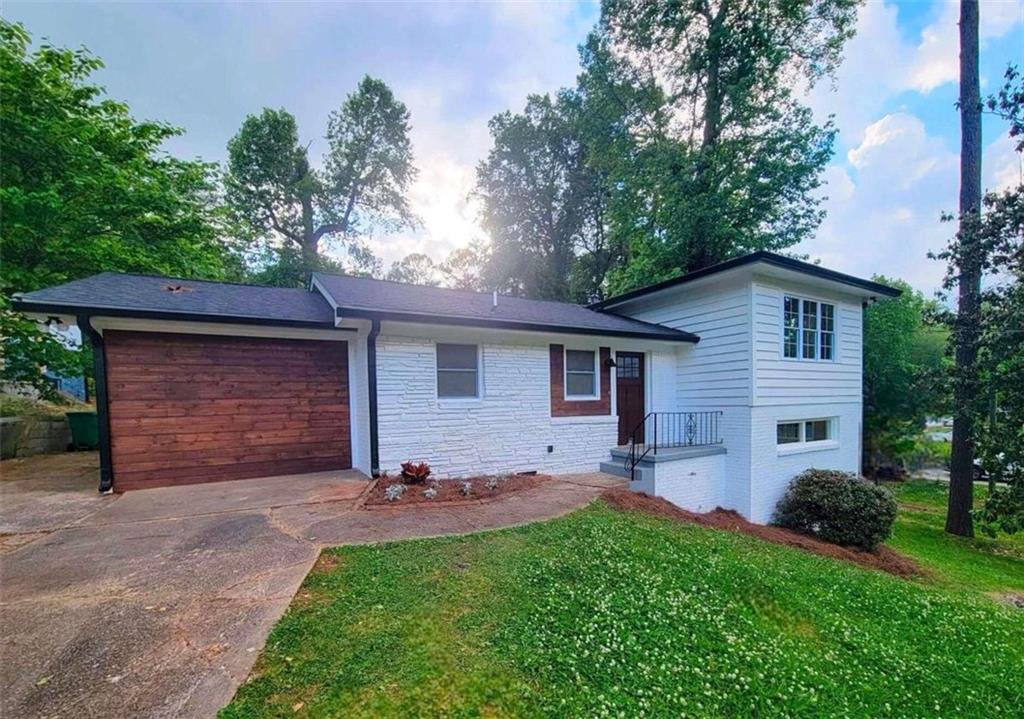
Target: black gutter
{"points": [[171, 315], [99, 370], [768, 258], [371, 381], [377, 315]]}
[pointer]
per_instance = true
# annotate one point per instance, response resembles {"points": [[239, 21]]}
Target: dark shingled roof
{"points": [[765, 257], [363, 297], [145, 294], [112, 293]]}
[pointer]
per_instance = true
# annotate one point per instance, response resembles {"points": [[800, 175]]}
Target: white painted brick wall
{"points": [[695, 484], [772, 472], [507, 430]]}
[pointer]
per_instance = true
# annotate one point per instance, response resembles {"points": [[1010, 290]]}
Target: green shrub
{"points": [[1003, 511], [837, 507]]}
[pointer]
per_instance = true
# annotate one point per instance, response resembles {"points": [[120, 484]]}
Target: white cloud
{"points": [[885, 215], [1003, 166], [869, 73], [937, 59]]}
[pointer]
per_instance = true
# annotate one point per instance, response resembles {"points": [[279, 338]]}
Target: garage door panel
{"points": [[179, 415], [128, 480]]}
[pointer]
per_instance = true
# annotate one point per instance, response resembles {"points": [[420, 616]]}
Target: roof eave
{"points": [[767, 258], [23, 305], [412, 317]]}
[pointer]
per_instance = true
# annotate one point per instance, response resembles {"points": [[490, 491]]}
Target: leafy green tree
{"points": [[85, 188], [415, 268], [711, 153], [541, 201], [284, 202], [464, 267], [905, 371]]}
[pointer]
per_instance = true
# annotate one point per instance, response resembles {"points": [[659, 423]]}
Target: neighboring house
{"points": [[727, 381]]}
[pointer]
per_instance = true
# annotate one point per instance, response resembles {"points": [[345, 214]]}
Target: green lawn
{"points": [[979, 565], [603, 613]]}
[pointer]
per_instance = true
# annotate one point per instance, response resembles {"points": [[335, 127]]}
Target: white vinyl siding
{"points": [[715, 372], [781, 380]]}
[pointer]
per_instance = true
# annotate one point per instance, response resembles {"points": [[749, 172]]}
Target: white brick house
{"points": [[713, 389]]}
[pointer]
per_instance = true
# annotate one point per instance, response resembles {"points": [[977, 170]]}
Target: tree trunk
{"points": [[961, 475], [310, 239]]}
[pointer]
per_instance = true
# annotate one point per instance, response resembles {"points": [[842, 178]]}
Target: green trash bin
{"points": [[85, 430]]}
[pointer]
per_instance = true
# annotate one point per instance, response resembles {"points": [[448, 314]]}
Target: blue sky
{"points": [[204, 66]]}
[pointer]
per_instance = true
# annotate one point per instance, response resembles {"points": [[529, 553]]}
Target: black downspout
{"points": [[371, 381], [99, 370]]}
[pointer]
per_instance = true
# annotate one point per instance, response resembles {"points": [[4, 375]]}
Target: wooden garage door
{"points": [[198, 408]]}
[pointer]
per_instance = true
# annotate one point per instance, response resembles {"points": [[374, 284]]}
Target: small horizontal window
{"points": [[816, 430], [580, 373], [805, 431], [458, 373], [788, 432]]}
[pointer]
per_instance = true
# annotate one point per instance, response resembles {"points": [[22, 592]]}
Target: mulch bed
{"points": [[882, 558], [449, 490]]}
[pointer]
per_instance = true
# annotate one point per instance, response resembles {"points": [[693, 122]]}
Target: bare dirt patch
{"points": [[884, 558], [326, 563], [450, 491]]}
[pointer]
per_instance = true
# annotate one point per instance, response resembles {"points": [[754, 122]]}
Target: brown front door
{"points": [[629, 383]]}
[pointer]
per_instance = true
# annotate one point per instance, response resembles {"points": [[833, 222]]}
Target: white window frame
{"points": [[565, 375], [479, 375], [803, 445], [800, 329]]}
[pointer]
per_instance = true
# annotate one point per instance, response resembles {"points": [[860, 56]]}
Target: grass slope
{"points": [[979, 564], [604, 613]]}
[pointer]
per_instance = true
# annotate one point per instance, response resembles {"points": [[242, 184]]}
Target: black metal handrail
{"points": [[671, 429]]}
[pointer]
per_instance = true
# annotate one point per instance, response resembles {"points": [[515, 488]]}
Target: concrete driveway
{"points": [[156, 603]]}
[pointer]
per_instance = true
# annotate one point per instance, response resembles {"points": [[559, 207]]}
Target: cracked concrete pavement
{"points": [[156, 603]]}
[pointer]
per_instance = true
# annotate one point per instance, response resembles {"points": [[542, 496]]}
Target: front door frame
{"points": [[640, 382]]}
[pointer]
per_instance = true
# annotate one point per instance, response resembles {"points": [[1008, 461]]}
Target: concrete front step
{"points": [[643, 470]]}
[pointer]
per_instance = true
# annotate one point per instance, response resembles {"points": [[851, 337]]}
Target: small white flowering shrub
{"points": [[465, 488], [430, 492], [394, 491]]}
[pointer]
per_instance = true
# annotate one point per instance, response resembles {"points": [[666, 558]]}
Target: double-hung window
{"points": [[808, 329], [580, 374], [458, 371]]}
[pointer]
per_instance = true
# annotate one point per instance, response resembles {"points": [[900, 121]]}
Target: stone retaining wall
{"points": [[25, 436]]}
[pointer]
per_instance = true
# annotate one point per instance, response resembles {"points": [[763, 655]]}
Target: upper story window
{"points": [[458, 371], [581, 374], [808, 329]]}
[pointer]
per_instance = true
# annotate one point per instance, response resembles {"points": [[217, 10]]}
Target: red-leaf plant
{"points": [[415, 473]]}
